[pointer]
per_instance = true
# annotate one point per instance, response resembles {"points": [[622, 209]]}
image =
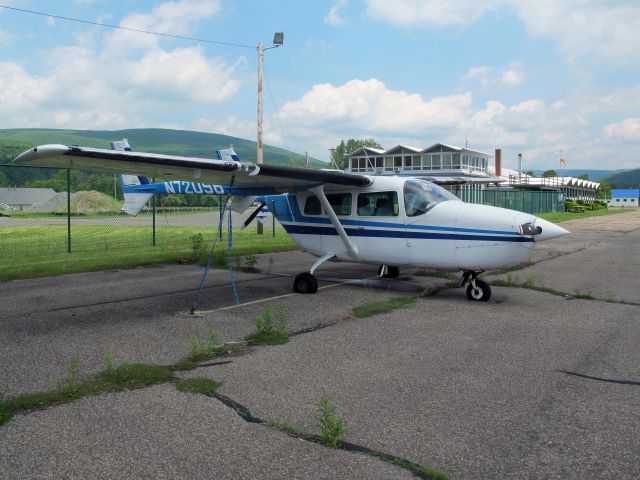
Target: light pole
{"points": [[278, 40]]}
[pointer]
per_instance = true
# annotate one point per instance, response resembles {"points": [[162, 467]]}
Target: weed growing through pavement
{"points": [[126, 376], [5, 412], [270, 327], [200, 350], [68, 383], [251, 261], [109, 363], [331, 428], [369, 309]]}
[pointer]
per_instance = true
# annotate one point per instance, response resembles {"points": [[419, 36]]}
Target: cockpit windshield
{"points": [[420, 196]]}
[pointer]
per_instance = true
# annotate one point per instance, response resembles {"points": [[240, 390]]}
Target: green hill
{"points": [[157, 140], [624, 179]]}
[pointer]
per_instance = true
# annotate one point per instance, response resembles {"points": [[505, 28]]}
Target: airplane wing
{"points": [[246, 174]]}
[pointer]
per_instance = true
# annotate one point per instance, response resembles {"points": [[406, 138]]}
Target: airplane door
{"points": [[378, 230]]}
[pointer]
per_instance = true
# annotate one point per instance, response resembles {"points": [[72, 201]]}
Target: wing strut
{"points": [[352, 250]]}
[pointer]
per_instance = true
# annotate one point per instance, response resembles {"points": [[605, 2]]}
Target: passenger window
{"points": [[340, 203], [378, 204], [312, 206]]}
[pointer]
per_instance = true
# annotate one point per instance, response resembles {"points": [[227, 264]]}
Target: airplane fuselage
{"points": [[447, 234]]}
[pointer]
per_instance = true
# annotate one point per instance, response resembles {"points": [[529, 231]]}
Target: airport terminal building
{"points": [[474, 176]]}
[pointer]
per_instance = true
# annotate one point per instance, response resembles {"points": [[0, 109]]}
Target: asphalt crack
{"points": [[243, 412]]}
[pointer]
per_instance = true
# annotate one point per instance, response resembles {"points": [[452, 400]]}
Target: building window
{"points": [[456, 161], [388, 164], [435, 162], [446, 161]]}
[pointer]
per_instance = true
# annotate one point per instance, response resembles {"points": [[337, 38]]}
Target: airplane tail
{"points": [[134, 199]]}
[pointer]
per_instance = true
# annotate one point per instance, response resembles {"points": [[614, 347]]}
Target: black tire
{"points": [[392, 272], [305, 283], [482, 292]]}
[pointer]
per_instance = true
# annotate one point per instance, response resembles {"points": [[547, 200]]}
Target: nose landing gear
{"points": [[477, 290], [388, 271]]}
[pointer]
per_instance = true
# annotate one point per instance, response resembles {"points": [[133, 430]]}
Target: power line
{"points": [[117, 27]]}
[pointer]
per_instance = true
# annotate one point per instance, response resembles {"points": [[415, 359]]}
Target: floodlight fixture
{"points": [[278, 39]]}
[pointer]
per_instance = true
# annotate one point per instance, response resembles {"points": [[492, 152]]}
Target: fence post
{"points": [[153, 210], [220, 214], [68, 211]]}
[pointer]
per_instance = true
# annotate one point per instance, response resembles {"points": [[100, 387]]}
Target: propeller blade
{"points": [[253, 215]]}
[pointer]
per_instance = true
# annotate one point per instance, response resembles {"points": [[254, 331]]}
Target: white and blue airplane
{"points": [[390, 221]]}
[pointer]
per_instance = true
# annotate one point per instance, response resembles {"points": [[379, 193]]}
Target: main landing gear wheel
{"points": [[480, 292], [305, 283], [386, 271]]}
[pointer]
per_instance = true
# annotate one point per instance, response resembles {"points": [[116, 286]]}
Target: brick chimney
{"points": [[498, 158]]}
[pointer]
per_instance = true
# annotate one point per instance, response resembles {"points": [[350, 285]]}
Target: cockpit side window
{"points": [[420, 196]]}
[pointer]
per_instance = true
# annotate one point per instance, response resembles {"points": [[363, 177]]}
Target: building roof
{"points": [[25, 196], [625, 193], [408, 149], [366, 150]]}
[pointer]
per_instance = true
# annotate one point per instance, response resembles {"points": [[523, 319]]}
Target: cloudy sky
{"points": [[533, 76]]}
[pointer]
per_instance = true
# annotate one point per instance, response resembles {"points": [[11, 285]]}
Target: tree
{"points": [[351, 145], [550, 173], [530, 173], [604, 191], [584, 176]]}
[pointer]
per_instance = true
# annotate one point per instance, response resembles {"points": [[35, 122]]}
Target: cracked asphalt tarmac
{"points": [[528, 385]]}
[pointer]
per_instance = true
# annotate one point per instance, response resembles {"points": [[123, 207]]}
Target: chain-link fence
{"points": [[529, 201], [47, 214]]}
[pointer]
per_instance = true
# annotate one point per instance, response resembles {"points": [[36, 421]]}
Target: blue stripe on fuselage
{"points": [[313, 230]]}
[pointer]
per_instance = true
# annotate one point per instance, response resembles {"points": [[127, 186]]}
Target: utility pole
{"points": [[278, 40], [260, 59], [333, 160]]}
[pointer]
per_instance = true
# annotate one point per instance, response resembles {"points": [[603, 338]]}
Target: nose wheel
{"points": [[477, 290]]}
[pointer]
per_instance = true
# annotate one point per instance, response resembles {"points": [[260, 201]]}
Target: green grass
{"points": [[5, 411], [27, 252], [425, 471], [125, 377], [370, 309], [558, 217], [197, 385], [267, 338]]}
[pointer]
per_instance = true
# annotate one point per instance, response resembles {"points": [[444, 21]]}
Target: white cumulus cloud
{"points": [[360, 104], [628, 129]]}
